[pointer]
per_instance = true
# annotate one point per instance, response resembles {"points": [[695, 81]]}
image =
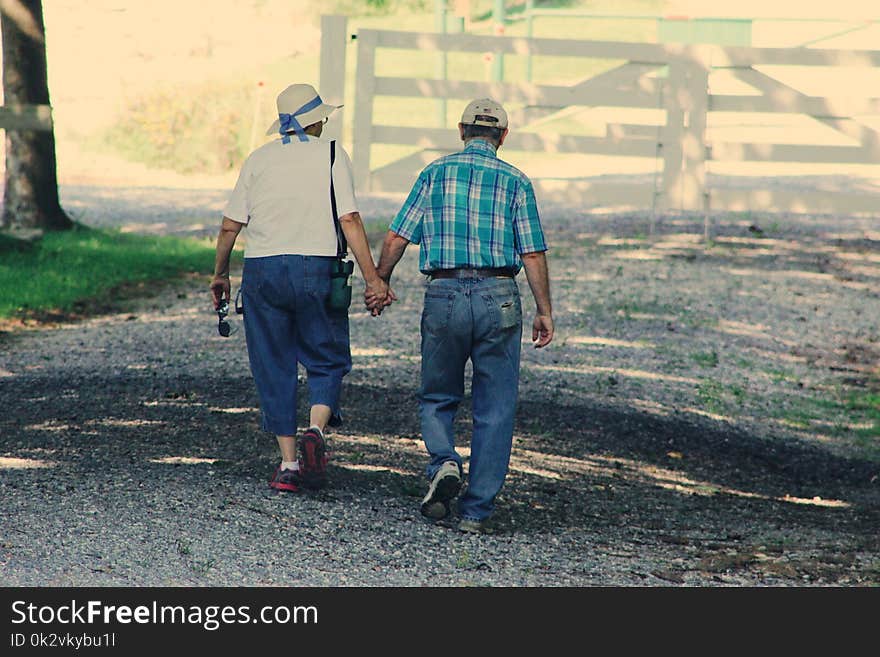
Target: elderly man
{"points": [[476, 219], [291, 193]]}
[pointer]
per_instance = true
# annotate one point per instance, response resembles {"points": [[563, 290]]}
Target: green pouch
{"points": [[340, 285]]}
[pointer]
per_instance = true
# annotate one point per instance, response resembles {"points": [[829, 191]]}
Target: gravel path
{"points": [[687, 427]]}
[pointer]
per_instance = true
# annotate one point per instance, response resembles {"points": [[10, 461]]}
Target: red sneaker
{"points": [[312, 459], [288, 480]]}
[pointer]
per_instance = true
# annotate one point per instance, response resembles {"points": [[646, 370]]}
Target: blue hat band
{"points": [[289, 122]]}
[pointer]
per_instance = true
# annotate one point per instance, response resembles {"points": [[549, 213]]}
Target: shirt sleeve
{"points": [[528, 234], [237, 205], [343, 183], [408, 222]]}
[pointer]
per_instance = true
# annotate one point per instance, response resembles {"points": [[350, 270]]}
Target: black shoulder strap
{"points": [[341, 245]]}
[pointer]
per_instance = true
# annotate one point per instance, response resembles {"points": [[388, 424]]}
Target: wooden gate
{"points": [[693, 160]]}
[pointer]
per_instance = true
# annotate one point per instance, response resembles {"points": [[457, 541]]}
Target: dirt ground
{"points": [[688, 426]]}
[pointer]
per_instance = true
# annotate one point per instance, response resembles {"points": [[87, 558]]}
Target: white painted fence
{"points": [[685, 85]]}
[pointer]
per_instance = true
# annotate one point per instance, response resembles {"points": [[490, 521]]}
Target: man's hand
{"points": [[220, 289], [539, 281], [378, 295], [542, 330]]}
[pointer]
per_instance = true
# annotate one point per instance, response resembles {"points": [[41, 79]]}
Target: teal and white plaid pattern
{"points": [[470, 209]]}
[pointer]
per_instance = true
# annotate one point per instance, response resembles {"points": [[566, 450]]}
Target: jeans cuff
{"points": [[280, 426]]}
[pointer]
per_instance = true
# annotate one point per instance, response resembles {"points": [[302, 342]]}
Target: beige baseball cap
{"points": [[484, 111]]}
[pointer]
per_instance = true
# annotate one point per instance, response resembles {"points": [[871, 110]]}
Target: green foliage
{"points": [[71, 269], [376, 230], [203, 129], [380, 7]]}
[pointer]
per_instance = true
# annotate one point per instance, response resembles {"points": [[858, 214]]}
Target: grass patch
{"points": [[852, 415], [705, 358], [634, 308], [780, 376], [73, 270], [711, 396], [720, 398], [866, 405], [14, 245]]}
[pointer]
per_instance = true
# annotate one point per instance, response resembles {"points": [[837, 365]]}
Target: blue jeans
{"points": [[480, 320], [286, 322]]}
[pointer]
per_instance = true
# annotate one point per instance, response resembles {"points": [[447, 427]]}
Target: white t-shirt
{"points": [[283, 196]]}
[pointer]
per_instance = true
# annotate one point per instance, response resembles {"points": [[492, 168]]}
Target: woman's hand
{"points": [[377, 296], [220, 289]]}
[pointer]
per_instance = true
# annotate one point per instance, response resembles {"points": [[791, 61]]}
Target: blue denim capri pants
{"points": [[286, 322]]}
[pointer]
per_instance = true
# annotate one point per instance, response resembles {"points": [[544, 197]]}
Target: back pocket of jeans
{"points": [[436, 313], [509, 314]]}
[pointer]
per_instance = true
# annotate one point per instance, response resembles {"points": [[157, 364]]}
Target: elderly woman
{"points": [[291, 195]]}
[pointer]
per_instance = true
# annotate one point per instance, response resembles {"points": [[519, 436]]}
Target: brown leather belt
{"points": [[484, 272]]}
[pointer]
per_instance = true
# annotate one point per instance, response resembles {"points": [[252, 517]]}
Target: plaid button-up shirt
{"points": [[470, 209]]}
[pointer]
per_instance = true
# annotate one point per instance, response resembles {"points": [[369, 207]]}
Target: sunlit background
{"points": [[147, 92]]}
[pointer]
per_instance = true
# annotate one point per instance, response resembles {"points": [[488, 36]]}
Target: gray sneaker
{"points": [[444, 486]]}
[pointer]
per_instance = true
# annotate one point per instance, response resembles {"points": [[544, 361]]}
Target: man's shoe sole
{"points": [[475, 527], [437, 506], [313, 459]]}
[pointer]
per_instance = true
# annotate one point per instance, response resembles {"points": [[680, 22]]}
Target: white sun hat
{"points": [[299, 106]]}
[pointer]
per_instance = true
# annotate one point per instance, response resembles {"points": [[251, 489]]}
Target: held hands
{"points": [[542, 330], [377, 296]]}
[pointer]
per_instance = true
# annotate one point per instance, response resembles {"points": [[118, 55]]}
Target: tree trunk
{"points": [[31, 186]]}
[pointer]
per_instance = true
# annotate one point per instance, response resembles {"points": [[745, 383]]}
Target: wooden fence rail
{"points": [[688, 86]]}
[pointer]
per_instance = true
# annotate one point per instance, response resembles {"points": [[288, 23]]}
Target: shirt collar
{"points": [[482, 145]]}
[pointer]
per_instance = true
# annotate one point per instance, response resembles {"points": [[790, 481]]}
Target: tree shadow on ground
{"points": [[573, 467]]}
